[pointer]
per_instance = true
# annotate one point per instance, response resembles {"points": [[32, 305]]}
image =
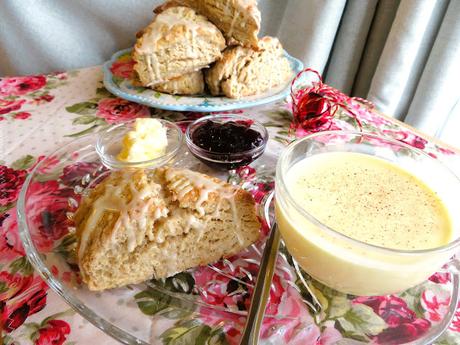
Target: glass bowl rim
{"points": [[116, 164], [231, 116], [281, 186], [56, 285]]}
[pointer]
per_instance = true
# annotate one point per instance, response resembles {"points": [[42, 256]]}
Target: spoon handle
{"points": [[262, 289]]}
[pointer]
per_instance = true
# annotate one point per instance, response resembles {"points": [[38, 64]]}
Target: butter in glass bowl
{"points": [[148, 140], [142, 143]]}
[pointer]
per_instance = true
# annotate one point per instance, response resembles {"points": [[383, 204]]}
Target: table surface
{"points": [[38, 114]]}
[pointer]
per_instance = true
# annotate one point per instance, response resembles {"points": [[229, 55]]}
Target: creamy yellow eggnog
{"points": [[367, 199]]}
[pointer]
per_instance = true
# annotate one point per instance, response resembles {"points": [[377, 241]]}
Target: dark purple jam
{"points": [[228, 137], [227, 145]]}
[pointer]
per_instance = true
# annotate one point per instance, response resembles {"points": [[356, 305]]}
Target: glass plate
{"points": [[209, 303], [118, 80]]}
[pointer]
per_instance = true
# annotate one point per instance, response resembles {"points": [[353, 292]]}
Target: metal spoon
{"points": [[262, 289]]}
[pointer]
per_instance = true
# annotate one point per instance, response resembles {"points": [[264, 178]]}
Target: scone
{"points": [[141, 224], [188, 84], [177, 42], [244, 71], [238, 19]]}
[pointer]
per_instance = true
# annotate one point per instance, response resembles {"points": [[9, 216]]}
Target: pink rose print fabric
{"points": [[27, 297], [286, 313], [19, 86], [123, 68], [22, 292], [403, 324], [10, 183], [9, 106], [19, 95], [54, 332], [116, 110]]}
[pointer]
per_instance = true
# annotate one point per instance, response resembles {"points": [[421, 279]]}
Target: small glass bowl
{"points": [[224, 160], [109, 144]]}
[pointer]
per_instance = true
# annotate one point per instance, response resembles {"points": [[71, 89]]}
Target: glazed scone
{"points": [[177, 42], [142, 224], [237, 19], [188, 84], [244, 71]]}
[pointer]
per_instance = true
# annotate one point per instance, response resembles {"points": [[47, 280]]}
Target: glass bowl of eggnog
{"points": [[365, 214]]}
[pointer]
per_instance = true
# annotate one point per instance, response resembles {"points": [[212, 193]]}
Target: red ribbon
{"points": [[315, 106]]}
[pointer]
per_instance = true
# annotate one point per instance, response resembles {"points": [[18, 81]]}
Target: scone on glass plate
{"points": [[188, 84], [239, 20], [244, 71], [178, 41], [141, 224]]}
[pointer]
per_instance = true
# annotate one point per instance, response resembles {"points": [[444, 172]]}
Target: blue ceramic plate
{"points": [[118, 80]]}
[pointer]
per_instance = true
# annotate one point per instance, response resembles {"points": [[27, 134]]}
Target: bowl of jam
{"points": [[226, 141]]}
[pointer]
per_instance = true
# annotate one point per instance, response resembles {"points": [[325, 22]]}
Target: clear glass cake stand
{"points": [[215, 297]]}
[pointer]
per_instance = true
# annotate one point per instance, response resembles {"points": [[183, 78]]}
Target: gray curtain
{"points": [[404, 55]]}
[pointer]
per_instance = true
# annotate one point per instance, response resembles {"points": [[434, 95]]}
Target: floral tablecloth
{"points": [[38, 114]]}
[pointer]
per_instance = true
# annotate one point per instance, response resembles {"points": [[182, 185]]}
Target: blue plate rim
{"points": [[296, 64]]}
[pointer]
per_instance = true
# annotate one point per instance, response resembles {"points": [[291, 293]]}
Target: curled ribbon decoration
{"points": [[315, 106]]}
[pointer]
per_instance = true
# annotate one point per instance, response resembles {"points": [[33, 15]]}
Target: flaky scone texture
{"points": [[245, 71], [237, 19], [139, 224], [178, 41], [188, 84]]}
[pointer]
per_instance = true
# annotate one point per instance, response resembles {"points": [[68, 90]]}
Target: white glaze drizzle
{"points": [[227, 8], [236, 220], [193, 222], [132, 216], [179, 221], [186, 180], [152, 65], [192, 43], [164, 22], [233, 22]]}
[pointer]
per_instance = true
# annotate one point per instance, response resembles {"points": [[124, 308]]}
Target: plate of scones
{"points": [[202, 55]]}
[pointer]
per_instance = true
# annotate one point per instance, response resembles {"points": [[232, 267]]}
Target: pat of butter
{"points": [[147, 141]]}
